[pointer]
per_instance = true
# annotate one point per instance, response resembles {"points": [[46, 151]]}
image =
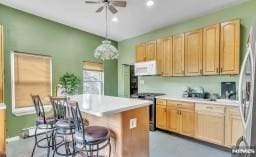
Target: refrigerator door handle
{"points": [[242, 100]]}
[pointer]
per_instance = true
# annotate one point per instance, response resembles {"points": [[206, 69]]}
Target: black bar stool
{"points": [[42, 123], [92, 139], [64, 126]]}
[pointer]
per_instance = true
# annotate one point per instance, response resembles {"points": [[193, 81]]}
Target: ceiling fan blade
{"points": [[100, 9], [112, 9], [119, 3], [93, 2]]}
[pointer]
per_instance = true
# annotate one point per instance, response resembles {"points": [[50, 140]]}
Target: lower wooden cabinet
{"points": [[210, 123], [2, 132], [175, 116], [172, 119], [161, 116], [186, 122], [233, 126]]}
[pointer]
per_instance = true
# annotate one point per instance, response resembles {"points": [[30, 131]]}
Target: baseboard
{"points": [[13, 139]]}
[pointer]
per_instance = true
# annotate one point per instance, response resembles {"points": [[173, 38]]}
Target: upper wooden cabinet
{"points": [[141, 53], [211, 50], [1, 65], [167, 54], [151, 48], [178, 55], [194, 53], [160, 57], [230, 47]]}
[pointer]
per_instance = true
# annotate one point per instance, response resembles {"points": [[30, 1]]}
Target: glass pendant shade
{"points": [[106, 51]]}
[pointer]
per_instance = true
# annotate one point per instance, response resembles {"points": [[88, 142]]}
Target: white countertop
{"points": [[201, 101], [2, 106], [99, 105]]}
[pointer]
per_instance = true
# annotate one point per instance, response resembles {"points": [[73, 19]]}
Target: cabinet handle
{"points": [[179, 104], [178, 112], [221, 70], [217, 70]]}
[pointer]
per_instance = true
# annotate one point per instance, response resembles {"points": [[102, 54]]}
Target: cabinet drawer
{"points": [[186, 105], [210, 108], [160, 102], [171, 103]]}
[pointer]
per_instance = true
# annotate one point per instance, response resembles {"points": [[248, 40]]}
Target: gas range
{"points": [[152, 107]]}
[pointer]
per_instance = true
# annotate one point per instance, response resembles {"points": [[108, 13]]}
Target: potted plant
{"points": [[69, 83]]}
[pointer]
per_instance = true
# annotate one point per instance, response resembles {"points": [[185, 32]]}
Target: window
{"points": [[93, 78], [31, 74]]}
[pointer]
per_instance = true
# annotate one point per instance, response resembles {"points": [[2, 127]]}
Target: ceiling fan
{"points": [[110, 4]]}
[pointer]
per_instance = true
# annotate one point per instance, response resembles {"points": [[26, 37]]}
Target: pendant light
{"points": [[106, 51]]}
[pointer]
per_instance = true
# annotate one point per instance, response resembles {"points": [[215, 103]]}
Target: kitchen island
{"points": [[128, 120]]}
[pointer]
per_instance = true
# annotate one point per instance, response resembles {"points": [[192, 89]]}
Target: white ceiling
{"points": [[134, 20]]}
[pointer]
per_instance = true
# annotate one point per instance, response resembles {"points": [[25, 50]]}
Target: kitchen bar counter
{"points": [[99, 105], [231, 103], [128, 120]]}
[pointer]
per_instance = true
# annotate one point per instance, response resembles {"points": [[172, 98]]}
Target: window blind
{"points": [[32, 75], [92, 66]]}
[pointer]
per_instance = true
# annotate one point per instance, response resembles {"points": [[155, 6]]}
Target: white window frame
{"points": [[103, 86], [26, 110]]}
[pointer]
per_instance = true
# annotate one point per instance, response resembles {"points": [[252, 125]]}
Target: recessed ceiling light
{"points": [[115, 19], [150, 3]]}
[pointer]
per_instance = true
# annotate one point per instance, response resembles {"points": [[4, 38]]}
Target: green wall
{"points": [[67, 46], [176, 85]]}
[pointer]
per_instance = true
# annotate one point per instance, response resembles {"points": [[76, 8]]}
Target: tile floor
{"points": [[161, 145]]}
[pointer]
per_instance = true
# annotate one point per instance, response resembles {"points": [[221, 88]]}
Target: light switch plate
{"points": [[133, 123]]}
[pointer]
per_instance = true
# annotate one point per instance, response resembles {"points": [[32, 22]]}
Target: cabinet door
{"points": [[211, 50], [151, 51], [186, 122], [209, 126], [167, 51], [141, 53], [160, 57], [2, 132], [1, 65], [194, 53], [178, 55], [230, 47], [234, 127], [161, 116], [171, 119]]}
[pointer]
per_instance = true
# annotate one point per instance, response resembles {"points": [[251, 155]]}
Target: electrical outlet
{"points": [[133, 123]]}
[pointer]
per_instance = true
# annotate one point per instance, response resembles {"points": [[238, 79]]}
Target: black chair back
{"points": [[60, 107], [38, 107], [77, 118]]}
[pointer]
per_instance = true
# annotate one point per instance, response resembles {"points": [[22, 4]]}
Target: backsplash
{"points": [[176, 85]]}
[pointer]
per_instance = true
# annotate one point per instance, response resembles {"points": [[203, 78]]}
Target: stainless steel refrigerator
{"points": [[247, 94]]}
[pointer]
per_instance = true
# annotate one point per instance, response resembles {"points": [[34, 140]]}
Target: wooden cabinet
{"points": [[233, 126], [164, 53], [186, 122], [176, 117], [172, 117], [160, 57], [1, 65], [151, 48], [161, 114], [194, 53], [2, 132], [211, 50], [141, 53], [230, 47], [209, 123], [178, 65]]}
